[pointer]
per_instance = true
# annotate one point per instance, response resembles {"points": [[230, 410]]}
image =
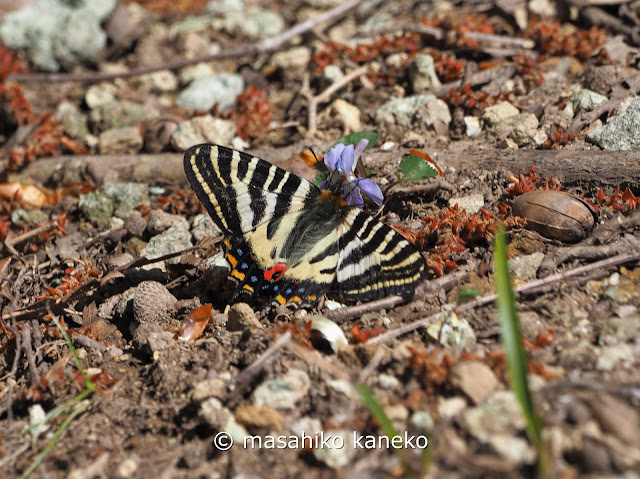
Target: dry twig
{"points": [[325, 96], [529, 287]]}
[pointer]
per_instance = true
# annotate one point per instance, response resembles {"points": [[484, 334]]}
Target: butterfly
{"points": [[289, 240]]}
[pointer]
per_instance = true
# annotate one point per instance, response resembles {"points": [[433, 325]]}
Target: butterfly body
{"points": [[291, 241]]}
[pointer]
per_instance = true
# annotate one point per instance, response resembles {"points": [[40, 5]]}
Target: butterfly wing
{"points": [[241, 191], [259, 206], [375, 261]]}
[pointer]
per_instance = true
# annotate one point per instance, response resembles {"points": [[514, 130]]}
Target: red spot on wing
{"points": [[275, 272]]}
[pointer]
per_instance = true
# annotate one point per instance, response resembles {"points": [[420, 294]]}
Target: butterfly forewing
{"points": [[291, 243]]}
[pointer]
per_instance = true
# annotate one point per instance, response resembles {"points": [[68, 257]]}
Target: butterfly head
{"points": [[341, 162]]}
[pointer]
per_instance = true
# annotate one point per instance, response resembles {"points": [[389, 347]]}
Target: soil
{"points": [[158, 403]]}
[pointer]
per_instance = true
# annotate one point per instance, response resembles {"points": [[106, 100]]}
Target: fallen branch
{"points": [[439, 34], [325, 96], [524, 289], [266, 45], [446, 282]]}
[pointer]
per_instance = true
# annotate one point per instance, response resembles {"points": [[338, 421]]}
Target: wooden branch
{"points": [[527, 288], [266, 45], [325, 95], [606, 168]]}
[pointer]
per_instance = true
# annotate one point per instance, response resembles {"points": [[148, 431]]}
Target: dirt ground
{"points": [[83, 206]]}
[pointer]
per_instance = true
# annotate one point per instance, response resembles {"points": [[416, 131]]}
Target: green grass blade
{"points": [[511, 336], [376, 410], [83, 406]]}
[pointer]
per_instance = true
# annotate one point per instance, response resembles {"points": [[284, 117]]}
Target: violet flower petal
{"points": [[347, 162], [371, 189], [354, 198], [360, 147], [332, 158]]}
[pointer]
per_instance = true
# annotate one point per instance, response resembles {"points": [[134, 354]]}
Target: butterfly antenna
{"points": [[314, 154]]}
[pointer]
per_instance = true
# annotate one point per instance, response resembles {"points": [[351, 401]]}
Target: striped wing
{"points": [[375, 261], [289, 241], [240, 191]]}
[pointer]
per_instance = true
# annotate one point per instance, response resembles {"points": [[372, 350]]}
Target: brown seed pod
{"points": [[555, 214]]}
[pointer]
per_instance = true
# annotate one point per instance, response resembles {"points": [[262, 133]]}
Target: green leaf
{"points": [[320, 177], [376, 410], [511, 336], [354, 139], [467, 294], [415, 168]]}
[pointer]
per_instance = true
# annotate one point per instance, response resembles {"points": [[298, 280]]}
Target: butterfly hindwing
{"points": [[375, 261], [291, 241]]}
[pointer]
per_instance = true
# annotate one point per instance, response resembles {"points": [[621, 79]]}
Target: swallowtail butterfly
{"points": [[290, 241]]}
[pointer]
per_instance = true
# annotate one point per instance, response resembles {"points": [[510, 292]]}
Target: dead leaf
{"points": [[194, 323]]}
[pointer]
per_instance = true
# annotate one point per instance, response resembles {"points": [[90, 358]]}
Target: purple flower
{"points": [[341, 162]]}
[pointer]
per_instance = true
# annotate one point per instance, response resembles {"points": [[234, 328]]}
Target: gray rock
{"points": [[419, 111], [27, 218], [214, 413], [422, 73], [74, 123], [283, 392], [203, 129], [422, 421], [204, 227], [195, 72], [160, 221], [621, 130], [499, 112], [520, 128], [501, 414], [120, 141], [170, 241], [470, 203], [213, 387], [543, 8], [337, 457], [100, 94], [512, 448], [224, 6], [451, 407], [161, 81], [386, 381], [221, 89], [53, 32], [126, 196], [118, 114], [342, 387], [615, 330], [608, 356], [332, 74], [253, 23], [98, 207], [472, 125], [293, 58], [525, 268], [475, 379], [242, 316], [347, 115], [586, 100], [151, 337], [451, 330]]}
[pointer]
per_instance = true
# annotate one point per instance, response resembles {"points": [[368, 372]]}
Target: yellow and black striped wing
{"points": [[374, 260], [290, 241]]}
